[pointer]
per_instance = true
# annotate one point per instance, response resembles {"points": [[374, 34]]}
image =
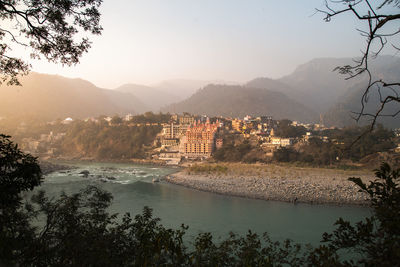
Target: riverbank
{"points": [[86, 159], [274, 182], [48, 167]]}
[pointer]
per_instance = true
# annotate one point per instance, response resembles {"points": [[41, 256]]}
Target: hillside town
{"points": [[197, 137], [186, 137]]}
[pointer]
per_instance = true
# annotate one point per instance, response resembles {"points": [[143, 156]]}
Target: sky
{"points": [[148, 41]]}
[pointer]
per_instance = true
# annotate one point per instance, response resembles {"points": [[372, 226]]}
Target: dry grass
{"points": [[272, 171]]}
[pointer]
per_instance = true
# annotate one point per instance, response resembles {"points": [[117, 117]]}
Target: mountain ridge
{"points": [[49, 97], [239, 101]]}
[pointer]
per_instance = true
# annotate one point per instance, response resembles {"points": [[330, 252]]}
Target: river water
{"points": [[133, 189]]}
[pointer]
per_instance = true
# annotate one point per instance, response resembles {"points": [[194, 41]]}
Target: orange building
{"points": [[237, 125], [200, 139]]}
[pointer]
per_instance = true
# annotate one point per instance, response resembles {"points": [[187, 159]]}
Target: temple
{"points": [[199, 141]]}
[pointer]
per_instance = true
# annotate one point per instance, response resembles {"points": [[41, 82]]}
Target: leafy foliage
{"points": [[18, 171], [103, 141], [150, 117], [377, 239], [340, 145], [285, 129], [49, 28], [242, 152]]}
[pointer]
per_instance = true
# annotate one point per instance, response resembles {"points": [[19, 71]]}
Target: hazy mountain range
{"points": [[48, 97], [313, 89], [239, 101]]}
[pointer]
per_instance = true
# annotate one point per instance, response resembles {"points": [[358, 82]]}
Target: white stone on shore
{"points": [[310, 189]]}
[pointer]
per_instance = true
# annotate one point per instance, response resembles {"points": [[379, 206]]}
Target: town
{"points": [[177, 138]]}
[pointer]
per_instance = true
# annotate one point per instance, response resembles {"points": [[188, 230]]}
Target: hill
{"points": [[316, 86], [48, 97], [151, 97], [386, 68], [321, 87], [184, 88], [278, 86], [239, 101], [344, 111]]}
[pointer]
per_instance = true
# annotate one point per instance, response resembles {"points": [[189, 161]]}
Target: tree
{"points": [[380, 36], [377, 239], [49, 28], [19, 172], [285, 129]]}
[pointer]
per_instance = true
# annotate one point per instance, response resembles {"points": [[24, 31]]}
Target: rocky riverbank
{"points": [[306, 185], [49, 167]]}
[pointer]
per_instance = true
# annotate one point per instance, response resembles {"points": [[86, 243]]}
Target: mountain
{"points": [[183, 89], [385, 68], [48, 97], [239, 101], [152, 97], [316, 86], [277, 86], [316, 83]]}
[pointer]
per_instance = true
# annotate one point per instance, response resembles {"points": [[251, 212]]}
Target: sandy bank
{"points": [[307, 185]]}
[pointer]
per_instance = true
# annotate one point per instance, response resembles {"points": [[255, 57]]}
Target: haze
{"points": [[230, 40]]}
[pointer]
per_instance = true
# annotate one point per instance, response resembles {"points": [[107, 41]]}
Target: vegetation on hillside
{"points": [[340, 146], [87, 139], [117, 140], [239, 101], [325, 148], [285, 129]]}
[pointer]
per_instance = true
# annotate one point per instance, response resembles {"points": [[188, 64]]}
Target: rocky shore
{"points": [[49, 167], [298, 185]]}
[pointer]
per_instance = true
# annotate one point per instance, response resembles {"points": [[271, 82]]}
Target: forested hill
{"points": [[152, 97], [239, 101], [340, 114], [317, 86], [48, 97], [101, 141]]}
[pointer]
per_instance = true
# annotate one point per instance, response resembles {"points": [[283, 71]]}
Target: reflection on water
{"points": [[202, 211]]}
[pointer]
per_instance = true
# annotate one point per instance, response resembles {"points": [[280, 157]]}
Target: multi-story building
{"points": [[172, 130], [237, 125], [199, 141], [186, 119]]}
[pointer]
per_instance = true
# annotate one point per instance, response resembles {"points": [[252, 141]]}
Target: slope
{"points": [[48, 97], [238, 101]]}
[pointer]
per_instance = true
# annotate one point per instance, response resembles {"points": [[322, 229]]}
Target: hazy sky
{"points": [[146, 41]]}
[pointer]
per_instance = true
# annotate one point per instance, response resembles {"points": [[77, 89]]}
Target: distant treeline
{"points": [[340, 145], [98, 138], [102, 141]]}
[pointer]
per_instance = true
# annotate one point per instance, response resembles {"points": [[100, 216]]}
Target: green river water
{"points": [[202, 211]]}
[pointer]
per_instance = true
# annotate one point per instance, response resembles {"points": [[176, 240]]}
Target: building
{"points": [[172, 130], [128, 117], [282, 142], [186, 119], [169, 142], [199, 141], [237, 125]]}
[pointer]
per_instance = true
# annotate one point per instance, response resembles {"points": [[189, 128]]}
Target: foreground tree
{"points": [[381, 20], [19, 172], [377, 239], [49, 28]]}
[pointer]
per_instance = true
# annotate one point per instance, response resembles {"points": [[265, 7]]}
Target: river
{"points": [[133, 189]]}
